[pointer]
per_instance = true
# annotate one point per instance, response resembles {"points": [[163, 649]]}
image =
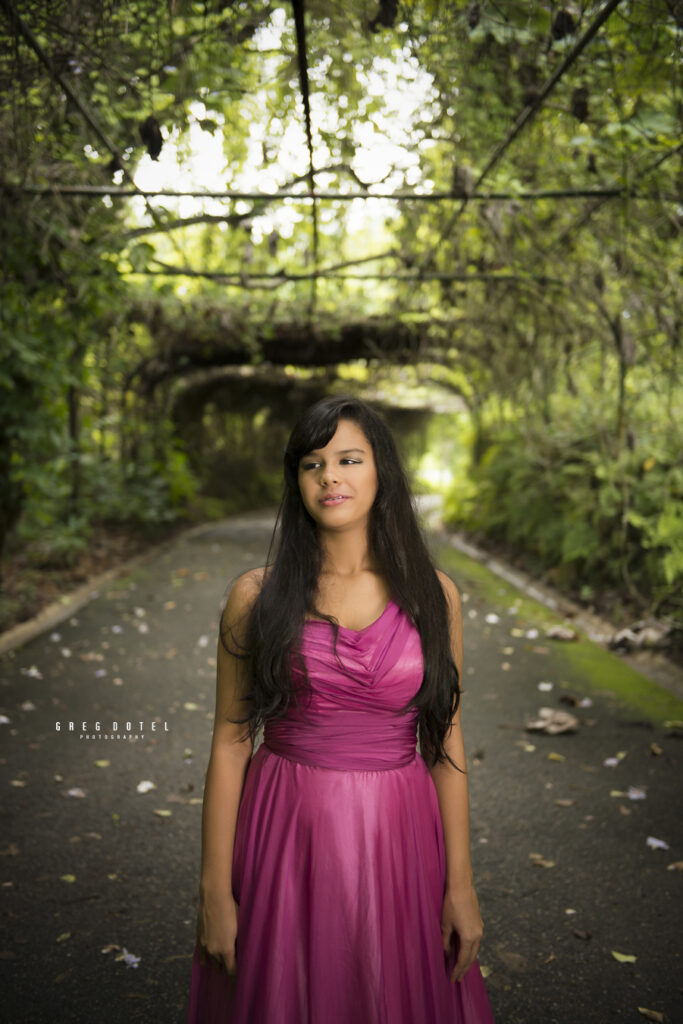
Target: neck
{"points": [[346, 552]]}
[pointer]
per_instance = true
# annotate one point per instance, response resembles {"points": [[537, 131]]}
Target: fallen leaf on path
{"points": [[169, 605], [63, 937], [76, 792], [656, 844], [561, 633], [545, 687], [102, 764], [129, 958], [515, 961], [145, 786], [552, 756], [581, 934], [656, 749], [553, 721], [676, 866], [17, 782], [28, 706], [623, 958], [485, 971], [538, 860], [651, 1014], [68, 878], [492, 618], [190, 706], [564, 802], [162, 812]]}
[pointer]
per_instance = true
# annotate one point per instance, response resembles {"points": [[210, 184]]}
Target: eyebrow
{"points": [[343, 451]]}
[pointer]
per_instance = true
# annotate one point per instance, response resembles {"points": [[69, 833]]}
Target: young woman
{"points": [[336, 883]]}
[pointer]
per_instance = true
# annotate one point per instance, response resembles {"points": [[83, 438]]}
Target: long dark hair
{"points": [[399, 552]]}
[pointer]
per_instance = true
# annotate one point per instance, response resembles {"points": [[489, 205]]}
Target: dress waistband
{"points": [[344, 739]]}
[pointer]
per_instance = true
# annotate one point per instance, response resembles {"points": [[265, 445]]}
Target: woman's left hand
{"points": [[461, 914]]}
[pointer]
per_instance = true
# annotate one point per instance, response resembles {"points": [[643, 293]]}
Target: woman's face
{"points": [[338, 483]]}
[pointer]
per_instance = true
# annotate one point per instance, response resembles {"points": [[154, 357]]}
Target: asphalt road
{"points": [[92, 882]]}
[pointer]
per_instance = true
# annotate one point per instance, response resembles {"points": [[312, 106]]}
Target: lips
{"points": [[333, 499]]}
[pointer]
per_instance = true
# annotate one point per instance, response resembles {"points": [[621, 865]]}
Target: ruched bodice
{"points": [[350, 721]]}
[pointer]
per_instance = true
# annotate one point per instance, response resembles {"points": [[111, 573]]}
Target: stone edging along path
{"points": [[654, 665]]}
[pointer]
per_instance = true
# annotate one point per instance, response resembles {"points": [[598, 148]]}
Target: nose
{"points": [[329, 476]]}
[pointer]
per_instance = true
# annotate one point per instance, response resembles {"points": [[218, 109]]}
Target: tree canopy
{"points": [[480, 198]]}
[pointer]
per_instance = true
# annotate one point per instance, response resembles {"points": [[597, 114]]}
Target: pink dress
{"points": [[339, 863]]}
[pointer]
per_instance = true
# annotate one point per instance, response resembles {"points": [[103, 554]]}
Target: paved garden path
{"points": [[99, 878]]}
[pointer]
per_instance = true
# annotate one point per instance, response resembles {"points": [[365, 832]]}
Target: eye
{"points": [[309, 465], [353, 462]]}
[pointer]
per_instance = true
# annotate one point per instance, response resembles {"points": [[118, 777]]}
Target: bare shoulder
{"points": [[244, 591], [449, 588], [247, 587]]}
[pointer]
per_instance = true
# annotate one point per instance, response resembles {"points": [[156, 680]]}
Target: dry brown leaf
{"points": [[515, 961], [553, 721], [564, 802]]}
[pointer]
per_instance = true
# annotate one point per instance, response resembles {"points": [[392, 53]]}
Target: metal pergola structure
{"points": [[314, 196]]}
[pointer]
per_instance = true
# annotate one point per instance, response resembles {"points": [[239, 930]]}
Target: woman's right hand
{"points": [[217, 931]]}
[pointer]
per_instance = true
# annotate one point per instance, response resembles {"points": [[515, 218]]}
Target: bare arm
{"points": [[461, 910], [225, 776], [451, 785]]}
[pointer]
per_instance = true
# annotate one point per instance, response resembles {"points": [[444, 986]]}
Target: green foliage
{"points": [[553, 321], [581, 514]]}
